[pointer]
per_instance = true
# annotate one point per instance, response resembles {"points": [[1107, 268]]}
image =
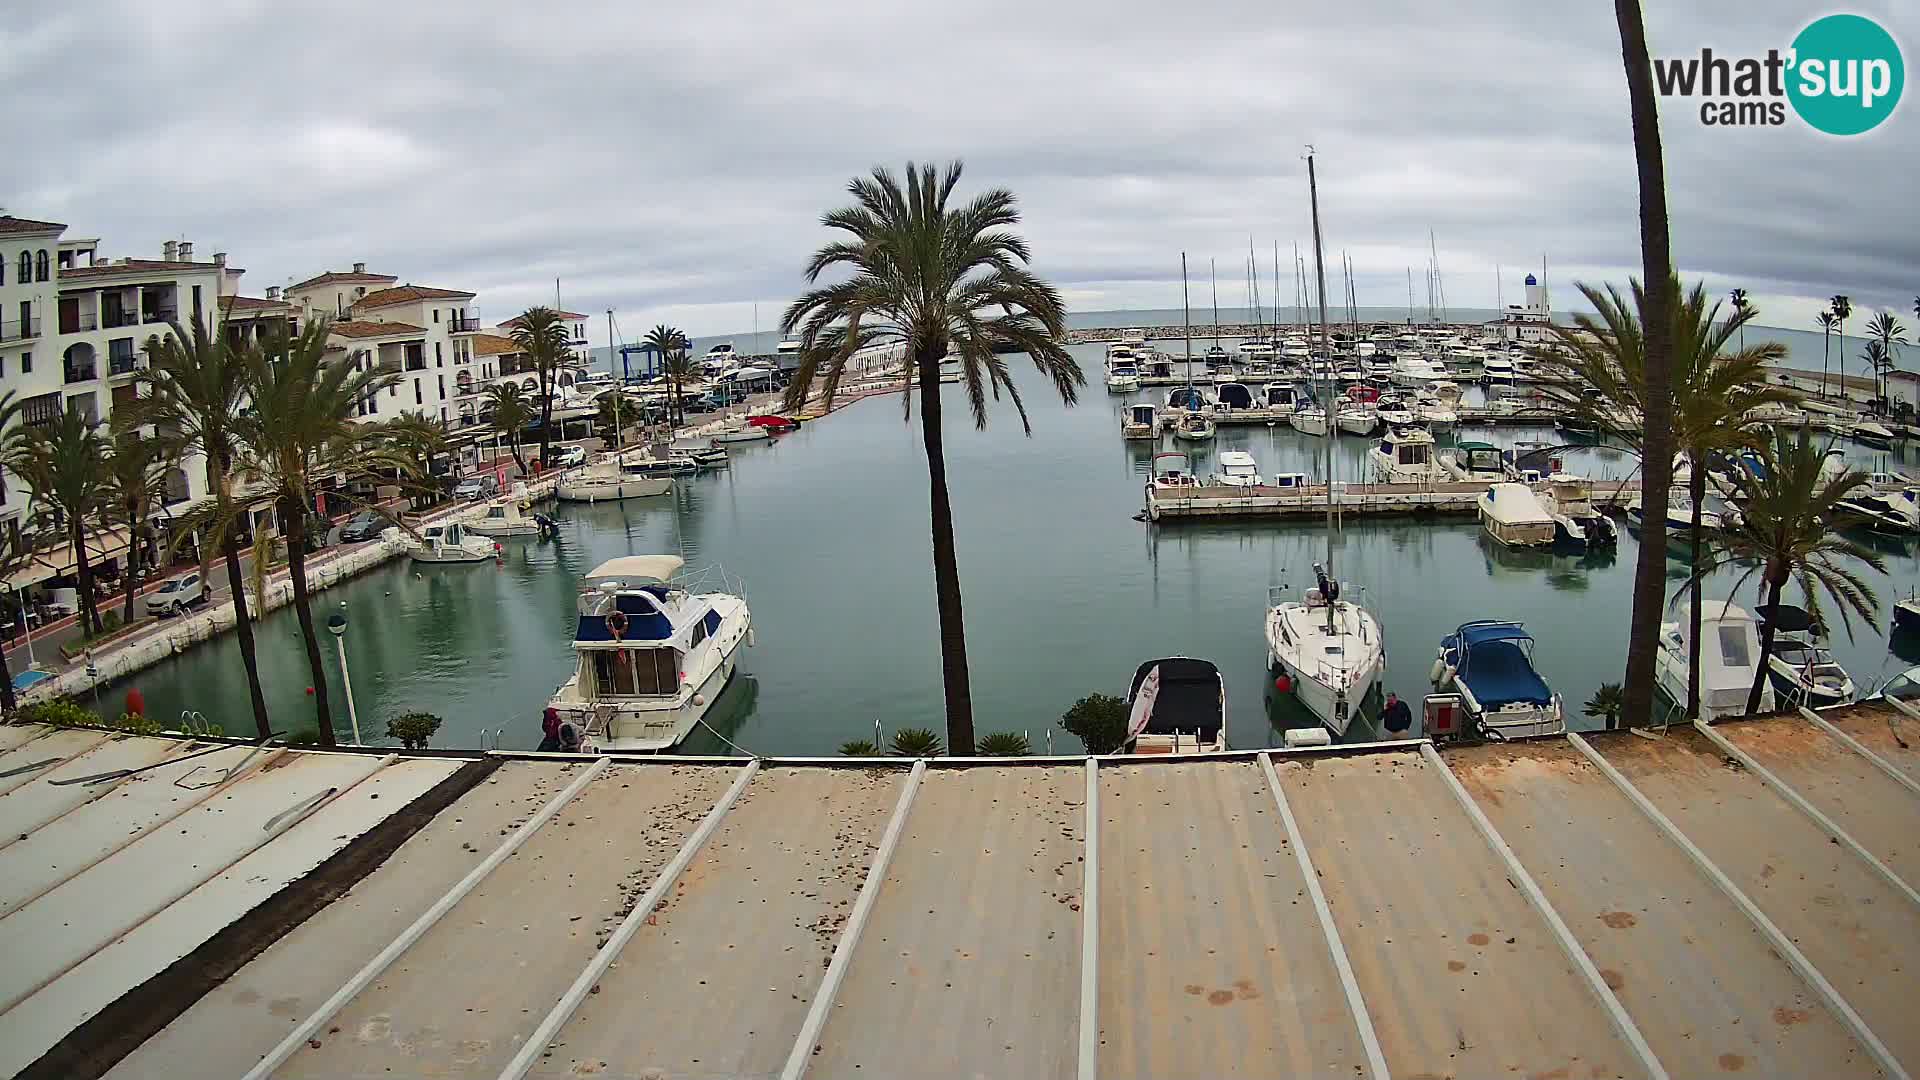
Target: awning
{"points": [[58, 560]]}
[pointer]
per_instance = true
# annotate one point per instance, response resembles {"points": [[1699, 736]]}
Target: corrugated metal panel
{"points": [[228, 1030], [80, 915], [970, 962], [459, 1002], [725, 975], [31, 806], [31, 1027], [1701, 985], [1212, 962], [1862, 934], [1462, 977], [104, 825], [35, 759], [13, 735], [1882, 730]]}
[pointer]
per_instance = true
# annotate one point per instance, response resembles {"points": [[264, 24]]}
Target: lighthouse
{"points": [[1536, 297]]}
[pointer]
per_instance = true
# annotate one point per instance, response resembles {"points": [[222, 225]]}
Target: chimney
{"points": [[169, 251], [186, 251], [220, 259], [359, 268], [273, 292]]}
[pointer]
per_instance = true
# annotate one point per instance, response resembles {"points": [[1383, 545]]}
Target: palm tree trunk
{"points": [[1697, 488], [1649, 582], [133, 563], [546, 412], [294, 513], [8, 703], [1761, 675], [946, 568], [83, 571], [243, 628]]}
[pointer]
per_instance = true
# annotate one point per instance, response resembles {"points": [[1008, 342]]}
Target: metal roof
{"points": [[1701, 901]]}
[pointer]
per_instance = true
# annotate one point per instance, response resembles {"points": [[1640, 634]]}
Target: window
{"points": [[436, 355], [442, 380], [699, 634], [636, 672], [40, 272], [26, 363], [1733, 647], [196, 301], [26, 267], [417, 399], [436, 318]]}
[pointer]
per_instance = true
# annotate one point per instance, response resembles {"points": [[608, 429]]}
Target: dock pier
{"points": [[1215, 502]]}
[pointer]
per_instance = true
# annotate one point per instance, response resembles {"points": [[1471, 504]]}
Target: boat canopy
{"points": [[1235, 395], [1190, 697], [1515, 504], [1730, 646], [1143, 414], [1788, 619], [650, 567]]}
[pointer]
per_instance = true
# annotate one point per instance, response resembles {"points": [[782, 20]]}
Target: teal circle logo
{"points": [[1847, 74]]}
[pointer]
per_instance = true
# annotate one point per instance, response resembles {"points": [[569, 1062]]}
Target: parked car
{"points": [[177, 595], [566, 457], [483, 486], [364, 525]]}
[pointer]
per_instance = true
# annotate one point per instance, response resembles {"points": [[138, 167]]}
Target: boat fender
{"points": [[1439, 674], [750, 641], [1284, 684], [617, 624], [699, 699]]}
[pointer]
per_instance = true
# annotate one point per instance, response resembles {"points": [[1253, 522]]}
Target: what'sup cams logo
{"points": [[1842, 76]]}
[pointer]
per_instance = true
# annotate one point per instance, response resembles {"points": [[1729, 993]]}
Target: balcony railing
{"points": [[113, 320], [122, 365], [463, 324], [78, 322], [160, 315], [416, 363], [82, 372], [19, 329]]}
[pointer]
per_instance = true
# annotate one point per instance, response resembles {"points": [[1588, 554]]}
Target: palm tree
{"points": [[1656, 462], [936, 280], [136, 476], [610, 415], [191, 391], [1827, 323], [678, 368], [1842, 307], [673, 347], [413, 441], [507, 406], [540, 333], [1783, 536], [64, 464], [296, 432], [1713, 391], [1886, 332], [1740, 304]]}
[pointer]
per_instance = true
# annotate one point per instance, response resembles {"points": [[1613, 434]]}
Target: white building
{"points": [[1530, 323]]}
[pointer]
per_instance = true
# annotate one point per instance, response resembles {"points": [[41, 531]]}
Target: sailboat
{"points": [[1195, 426], [1327, 649]]}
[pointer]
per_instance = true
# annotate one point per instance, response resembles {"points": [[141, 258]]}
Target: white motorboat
{"points": [[1139, 422], [1578, 526], [1497, 369], [1250, 349], [1412, 369], [655, 649], [1404, 455], [1235, 397], [1194, 427], [1394, 412], [1280, 398], [607, 481], [1801, 667], [1310, 419], [1512, 514], [1729, 660], [1177, 705], [1878, 436], [1437, 415], [1895, 512], [1489, 664], [1123, 370], [1237, 469], [1357, 421], [739, 431], [1189, 399], [1680, 513], [1475, 461], [502, 517], [1329, 650], [450, 543], [703, 454], [1172, 471]]}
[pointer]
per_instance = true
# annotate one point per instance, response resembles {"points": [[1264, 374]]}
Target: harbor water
{"points": [[1065, 592]]}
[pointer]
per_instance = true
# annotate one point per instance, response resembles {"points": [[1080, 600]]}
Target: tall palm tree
{"points": [[296, 432], [1740, 303], [507, 408], [1783, 536], [64, 464], [1842, 307], [936, 279], [413, 441], [1886, 332], [542, 335], [678, 367], [1656, 470], [191, 391], [136, 474], [1827, 323], [673, 347], [1713, 391]]}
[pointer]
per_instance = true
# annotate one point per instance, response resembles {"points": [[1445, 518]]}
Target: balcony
{"points": [[78, 322], [416, 363], [122, 365], [463, 324], [19, 329], [86, 372], [160, 315], [114, 320]]}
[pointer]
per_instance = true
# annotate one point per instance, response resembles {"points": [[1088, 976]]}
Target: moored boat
{"points": [[1195, 427], [502, 517], [1729, 660], [1489, 664], [1578, 526], [607, 481], [1475, 461], [450, 543], [1237, 469], [1177, 705], [1328, 649], [1139, 422], [1404, 455], [1801, 667], [1173, 470], [1512, 515]]}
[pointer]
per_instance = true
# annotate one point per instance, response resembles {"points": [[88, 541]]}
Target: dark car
{"points": [[364, 525]]}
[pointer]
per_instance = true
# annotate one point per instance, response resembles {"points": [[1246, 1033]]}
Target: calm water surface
{"points": [[1065, 593]]}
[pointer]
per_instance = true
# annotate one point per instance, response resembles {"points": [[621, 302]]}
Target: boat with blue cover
{"points": [[1489, 663], [655, 649]]}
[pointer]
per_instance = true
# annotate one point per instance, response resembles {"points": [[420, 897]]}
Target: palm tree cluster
{"points": [[676, 364], [267, 419]]}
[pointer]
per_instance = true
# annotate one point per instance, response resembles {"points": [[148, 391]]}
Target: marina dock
{"points": [[1310, 501], [1598, 905]]}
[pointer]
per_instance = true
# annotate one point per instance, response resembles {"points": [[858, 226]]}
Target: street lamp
{"points": [[337, 623]]}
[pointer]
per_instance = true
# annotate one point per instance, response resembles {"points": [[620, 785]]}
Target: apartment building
{"points": [[421, 333]]}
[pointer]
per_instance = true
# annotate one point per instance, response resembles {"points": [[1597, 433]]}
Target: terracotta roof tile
{"points": [[407, 294], [493, 345], [11, 224], [335, 278], [137, 266], [250, 303], [355, 328]]}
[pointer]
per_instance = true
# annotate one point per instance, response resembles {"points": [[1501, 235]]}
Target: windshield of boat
{"points": [[1733, 646]]}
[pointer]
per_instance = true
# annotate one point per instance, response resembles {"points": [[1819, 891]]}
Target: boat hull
{"points": [[656, 725], [1310, 423], [1332, 696], [633, 487]]}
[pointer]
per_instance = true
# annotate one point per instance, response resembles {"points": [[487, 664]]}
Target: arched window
{"points": [[26, 267], [40, 271]]}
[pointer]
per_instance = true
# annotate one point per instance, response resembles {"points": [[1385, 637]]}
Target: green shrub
{"points": [[1606, 703], [60, 712], [859, 748], [916, 742], [1003, 744], [1099, 721], [413, 729], [136, 724]]}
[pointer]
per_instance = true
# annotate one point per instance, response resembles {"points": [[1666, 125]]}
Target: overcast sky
{"points": [[671, 161]]}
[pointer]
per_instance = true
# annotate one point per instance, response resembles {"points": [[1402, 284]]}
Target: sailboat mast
{"points": [[1187, 308], [1214, 275], [1320, 274], [1259, 310], [1276, 294], [1298, 276], [616, 390]]}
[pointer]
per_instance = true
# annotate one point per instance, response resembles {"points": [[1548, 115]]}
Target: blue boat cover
{"points": [[1495, 668], [1475, 633], [643, 623]]}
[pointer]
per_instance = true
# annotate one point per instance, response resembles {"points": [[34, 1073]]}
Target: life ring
{"points": [[617, 624]]}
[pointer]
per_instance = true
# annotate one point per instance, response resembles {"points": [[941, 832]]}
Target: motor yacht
{"points": [[1405, 455], [1237, 469], [1489, 664], [1513, 515], [1177, 705], [450, 543], [1729, 660]]}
